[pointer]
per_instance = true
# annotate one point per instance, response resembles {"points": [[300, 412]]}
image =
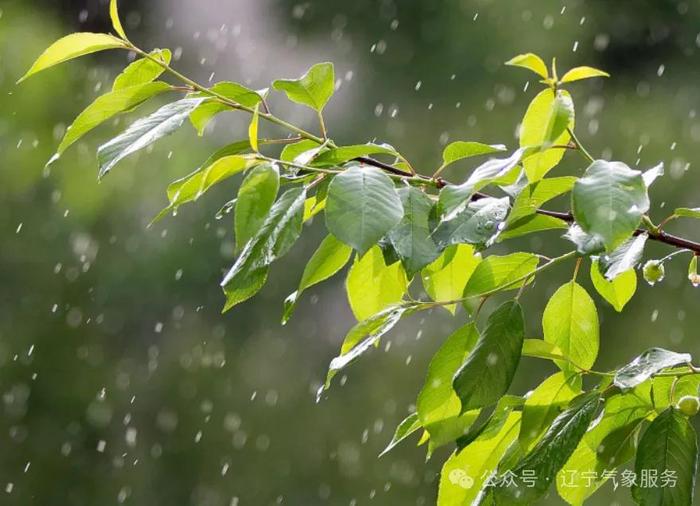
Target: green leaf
{"points": [[586, 243], [408, 426], [293, 152], [532, 196], [145, 132], [340, 155], [647, 364], [253, 128], [246, 285], [411, 237], [437, 402], [500, 273], [609, 201], [446, 277], [617, 292], [362, 337], [72, 46], [545, 124], [668, 447], [531, 224], [688, 212], [274, 239], [460, 150], [550, 454], [255, 197], [624, 257], [464, 473], [329, 258], [143, 70], [362, 206], [531, 62], [478, 223], [539, 348], [116, 23], [202, 115], [313, 89], [608, 444], [488, 371], [454, 198], [372, 285], [578, 73], [570, 322], [544, 404], [106, 107]]}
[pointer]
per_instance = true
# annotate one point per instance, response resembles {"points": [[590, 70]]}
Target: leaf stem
{"points": [[579, 146]]}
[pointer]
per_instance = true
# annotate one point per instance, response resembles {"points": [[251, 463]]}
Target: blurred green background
{"points": [[121, 381]]}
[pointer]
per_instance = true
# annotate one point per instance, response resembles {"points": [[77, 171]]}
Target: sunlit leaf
{"points": [[342, 154], [253, 128], [372, 285], [116, 22], [202, 115], [408, 426], [313, 89], [72, 46], [446, 277], [570, 322], [578, 73], [531, 62], [624, 257], [460, 150], [688, 212], [617, 292], [256, 196], [532, 196], [142, 71], [500, 272], [531, 224], [145, 132], [479, 223]]}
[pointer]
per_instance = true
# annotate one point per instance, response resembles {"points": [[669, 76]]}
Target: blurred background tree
{"points": [[121, 381]]}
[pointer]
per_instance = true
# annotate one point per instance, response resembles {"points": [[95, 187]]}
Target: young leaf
{"points": [[411, 237], [106, 107], [255, 198], [329, 258], [142, 71], [489, 369], [295, 151], [550, 454], [372, 285], [578, 73], [275, 238], [617, 292], [437, 402], [544, 404], [363, 337], [313, 89], [460, 150], [479, 223], [570, 322], [116, 23], [500, 272], [531, 62], [253, 128], [202, 115], [342, 154], [446, 277], [668, 448], [647, 364], [72, 46], [545, 124], [145, 132], [609, 200], [408, 426], [539, 348], [624, 257], [464, 474], [687, 212], [363, 205], [608, 444]]}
